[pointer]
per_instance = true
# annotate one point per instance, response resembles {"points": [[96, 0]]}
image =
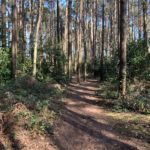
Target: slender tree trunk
{"points": [[36, 38], [123, 49], [102, 50], [76, 41], [22, 45], [80, 42], [3, 23], [118, 23], [31, 29], [129, 31], [139, 19], [115, 24], [69, 37], [95, 34], [111, 39], [133, 20], [9, 24], [91, 32], [58, 21], [144, 4], [65, 46], [14, 39], [85, 29]]}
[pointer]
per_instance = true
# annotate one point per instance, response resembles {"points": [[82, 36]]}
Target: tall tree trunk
{"points": [[14, 38], [69, 37], [118, 23], [36, 38], [144, 4], [58, 21], [132, 20], [111, 39], [76, 38], [22, 42], [31, 29], [123, 49], [9, 23], [65, 46], [129, 13], [80, 41], [85, 29], [91, 31], [102, 50], [4, 23], [94, 33], [139, 19], [115, 24]]}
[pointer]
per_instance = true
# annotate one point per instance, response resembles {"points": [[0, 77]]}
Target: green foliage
{"points": [[35, 105], [93, 68], [53, 69], [138, 60], [26, 66], [4, 64], [138, 63], [136, 100]]}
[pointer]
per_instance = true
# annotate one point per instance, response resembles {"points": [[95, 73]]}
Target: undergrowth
{"points": [[137, 99], [30, 104]]}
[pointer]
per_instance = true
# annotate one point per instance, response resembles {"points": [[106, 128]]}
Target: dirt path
{"points": [[85, 126]]}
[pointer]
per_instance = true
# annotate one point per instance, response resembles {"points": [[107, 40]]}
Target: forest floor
{"points": [[86, 125]]}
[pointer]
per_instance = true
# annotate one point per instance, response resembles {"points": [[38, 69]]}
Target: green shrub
{"points": [[138, 60], [5, 71]]}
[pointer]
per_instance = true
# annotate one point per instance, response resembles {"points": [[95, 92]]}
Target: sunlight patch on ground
{"points": [[129, 116]]}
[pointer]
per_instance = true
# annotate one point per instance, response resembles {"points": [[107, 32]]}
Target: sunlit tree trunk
{"points": [[65, 41], [118, 23], [144, 4], [76, 38], [22, 41], [91, 31], [80, 42], [14, 38], [31, 29], [123, 49], [3, 23], [115, 24], [139, 19], [36, 38]]}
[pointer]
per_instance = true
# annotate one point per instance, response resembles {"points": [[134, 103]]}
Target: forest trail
{"points": [[86, 126]]}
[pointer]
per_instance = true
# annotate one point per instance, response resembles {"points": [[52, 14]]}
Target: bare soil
{"points": [[85, 125]]}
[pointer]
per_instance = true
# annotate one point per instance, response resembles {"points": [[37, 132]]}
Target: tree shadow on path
{"points": [[81, 131], [78, 126]]}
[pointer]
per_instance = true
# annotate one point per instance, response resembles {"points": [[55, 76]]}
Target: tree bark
{"points": [[14, 39], [102, 50], [31, 30], [123, 49], [144, 4], [4, 23], [65, 46], [36, 38], [139, 19], [69, 37], [80, 42], [58, 21]]}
